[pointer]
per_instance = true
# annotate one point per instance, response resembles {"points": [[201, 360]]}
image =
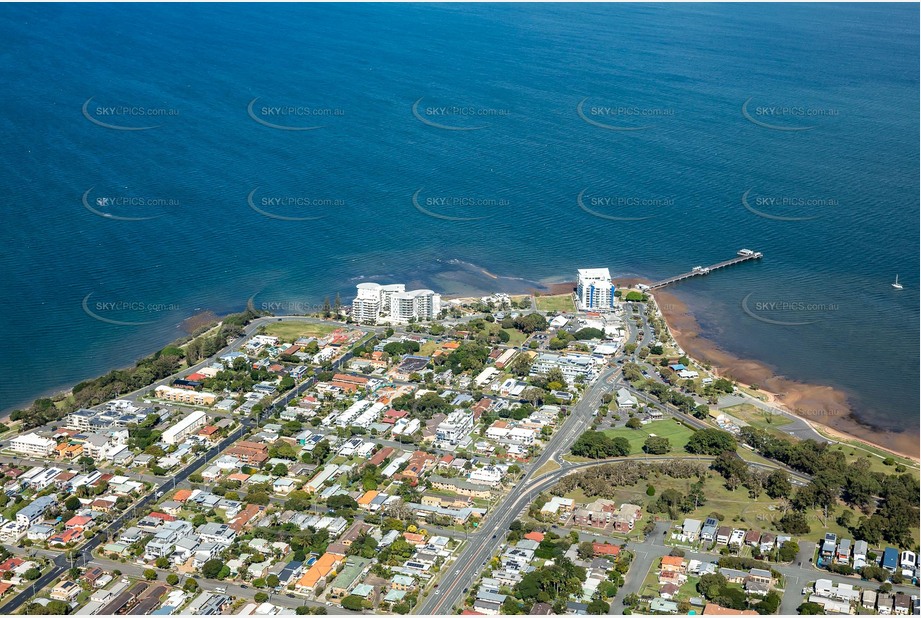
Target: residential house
{"points": [[843, 552], [318, 573], [737, 539], [860, 554], [690, 529], [606, 549], [66, 591], [349, 573], [708, 530], [674, 563], [884, 603], [901, 604], [752, 537]]}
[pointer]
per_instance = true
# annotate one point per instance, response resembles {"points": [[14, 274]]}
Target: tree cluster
{"points": [[889, 502], [597, 445]]}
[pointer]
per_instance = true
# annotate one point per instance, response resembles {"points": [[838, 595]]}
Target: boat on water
{"points": [[897, 285]]}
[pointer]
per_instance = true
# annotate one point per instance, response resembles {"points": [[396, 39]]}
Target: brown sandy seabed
{"points": [[816, 404]]}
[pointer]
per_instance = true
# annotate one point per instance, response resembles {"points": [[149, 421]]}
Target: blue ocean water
{"points": [[515, 75]]}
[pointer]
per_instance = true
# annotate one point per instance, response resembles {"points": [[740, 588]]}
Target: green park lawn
{"points": [[677, 434], [756, 417], [560, 302], [516, 337], [291, 331]]}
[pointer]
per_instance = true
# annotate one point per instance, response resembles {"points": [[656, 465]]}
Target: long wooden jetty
{"points": [[743, 255]]}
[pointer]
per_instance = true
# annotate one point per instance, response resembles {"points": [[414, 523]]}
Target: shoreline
{"points": [[821, 406], [825, 408], [189, 325]]}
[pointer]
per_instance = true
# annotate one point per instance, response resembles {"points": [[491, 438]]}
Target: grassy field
{"points": [[757, 417], [516, 337], [650, 586], [291, 331], [853, 450], [428, 348], [676, 433], [736, 507], [750, 391], [550, 466], [561, 302], [857, 450]]}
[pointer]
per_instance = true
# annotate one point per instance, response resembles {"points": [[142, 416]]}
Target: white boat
{"points": [[897, 285]]}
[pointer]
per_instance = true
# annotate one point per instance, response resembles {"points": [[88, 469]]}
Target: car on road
{"points": [[244, 586], [220, 590]]}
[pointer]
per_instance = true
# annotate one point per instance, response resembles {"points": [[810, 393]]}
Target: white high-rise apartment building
{"points": [[375, 301], [596, 292], [367, 305], [418, 304], [387, 292]]}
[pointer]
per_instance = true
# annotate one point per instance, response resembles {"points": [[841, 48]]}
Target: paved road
{"points": [[462, 572], [797, 427], [644, 555], [235, 345]]}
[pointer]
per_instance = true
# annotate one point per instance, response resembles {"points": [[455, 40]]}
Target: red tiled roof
{"points": [[9, 564], [381, 456], [239, 522], [78, 521], [66, 537], [414, 538], [605, 549], [535, 536], [712, 609]]}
